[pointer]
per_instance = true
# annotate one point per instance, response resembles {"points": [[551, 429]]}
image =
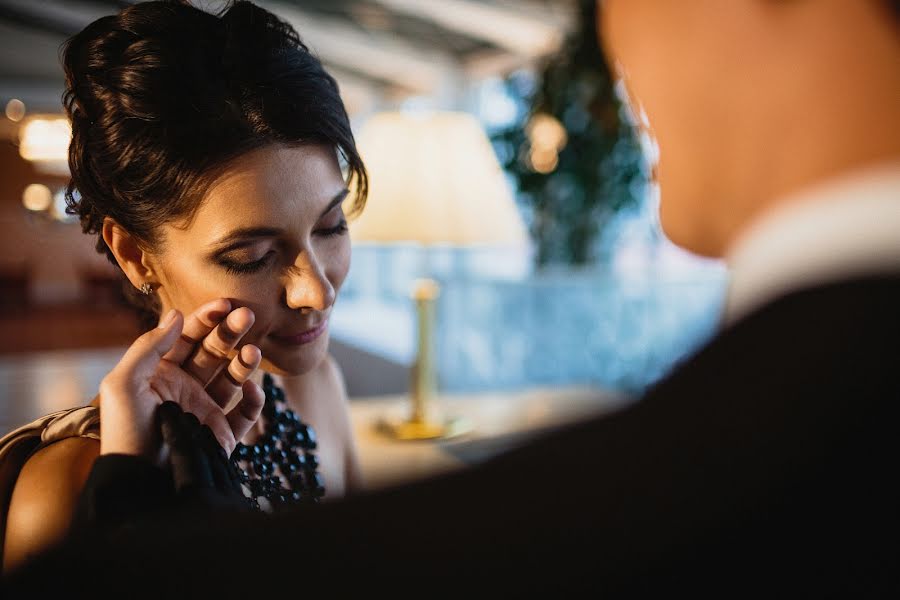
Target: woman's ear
{"points": [[133, 260]]}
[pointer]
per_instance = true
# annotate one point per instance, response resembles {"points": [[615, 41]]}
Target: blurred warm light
{"points": [[546, 132], [37, 197], [434, 179], [45, 139], [15, 110], [543, 160], [547, 137]]}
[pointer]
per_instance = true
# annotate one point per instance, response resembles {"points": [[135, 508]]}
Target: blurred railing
{"points": [[614, 332], [506, 331]]}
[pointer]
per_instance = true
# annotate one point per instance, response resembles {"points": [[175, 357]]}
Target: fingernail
{"points": [[167, 320], [252, 353]]}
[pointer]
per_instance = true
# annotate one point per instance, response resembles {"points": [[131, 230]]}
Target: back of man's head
{"points": [[752, 100]]}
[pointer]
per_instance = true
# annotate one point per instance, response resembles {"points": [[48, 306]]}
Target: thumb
{"points": [[145, 353]]}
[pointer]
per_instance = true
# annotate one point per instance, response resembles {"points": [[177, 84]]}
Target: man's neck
{"points": [[830, 109]]}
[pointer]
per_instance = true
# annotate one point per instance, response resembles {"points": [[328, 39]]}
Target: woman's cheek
{"points": [[259, 297]]}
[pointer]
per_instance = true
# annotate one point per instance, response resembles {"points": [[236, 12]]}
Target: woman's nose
{"points": [[308, 287]]}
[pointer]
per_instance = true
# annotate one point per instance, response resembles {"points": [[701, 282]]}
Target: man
{"points": [[764, 463]]}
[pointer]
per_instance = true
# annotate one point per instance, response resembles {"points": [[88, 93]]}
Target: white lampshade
{"points": [[434, 179]]}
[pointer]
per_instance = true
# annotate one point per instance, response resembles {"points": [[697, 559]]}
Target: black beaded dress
{"points": [[281, 468]]}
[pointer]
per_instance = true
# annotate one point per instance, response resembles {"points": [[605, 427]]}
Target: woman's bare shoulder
{"points": [[45, 496], [66, 462]]}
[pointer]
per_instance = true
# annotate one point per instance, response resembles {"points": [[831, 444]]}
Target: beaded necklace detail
{"points": [[283, 454]]}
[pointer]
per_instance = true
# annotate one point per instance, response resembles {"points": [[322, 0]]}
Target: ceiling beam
{"points": [[62, 18], [518, 28], [379, 56]]}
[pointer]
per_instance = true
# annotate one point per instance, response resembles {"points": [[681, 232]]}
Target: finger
{"points": [[225, 386], [245, 414], [143, 356], [202, 408], [196, 327], [193, 399], [213, 351]]}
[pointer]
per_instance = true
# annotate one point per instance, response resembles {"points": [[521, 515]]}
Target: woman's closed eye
{"points": [[339, 229], [243, 259], [242, 264]]}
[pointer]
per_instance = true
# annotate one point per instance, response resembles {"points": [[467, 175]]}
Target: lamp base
{"points": [[424, 430]]}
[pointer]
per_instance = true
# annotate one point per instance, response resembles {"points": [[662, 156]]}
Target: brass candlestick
{"points": [[421, 424]]}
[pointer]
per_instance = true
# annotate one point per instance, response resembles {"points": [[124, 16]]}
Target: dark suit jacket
{"points": [[764, 464]]}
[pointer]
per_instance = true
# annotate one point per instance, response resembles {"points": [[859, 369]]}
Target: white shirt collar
{"points": [[845, 227]]}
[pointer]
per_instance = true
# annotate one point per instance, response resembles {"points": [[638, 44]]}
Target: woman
{"points": [[205, 156]]}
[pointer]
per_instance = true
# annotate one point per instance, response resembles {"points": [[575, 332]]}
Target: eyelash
{"points": [[339, 229], [236, 268]]}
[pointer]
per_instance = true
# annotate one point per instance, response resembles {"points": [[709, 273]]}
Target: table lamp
{"points": [[433, 179]]}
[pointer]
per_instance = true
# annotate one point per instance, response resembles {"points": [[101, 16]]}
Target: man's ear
{"points": [[133, 260]]}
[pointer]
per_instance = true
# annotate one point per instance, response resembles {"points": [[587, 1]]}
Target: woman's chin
{"points": [[291, 361]]}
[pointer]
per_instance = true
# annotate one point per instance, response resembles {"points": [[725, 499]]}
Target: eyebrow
{"points": [[240, 236], [338, 198]]}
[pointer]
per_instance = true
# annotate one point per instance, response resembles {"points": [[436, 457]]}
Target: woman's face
{"points": [[270, 235]]}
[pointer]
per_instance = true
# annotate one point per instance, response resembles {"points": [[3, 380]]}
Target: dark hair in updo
{"points": [[162, 96]]}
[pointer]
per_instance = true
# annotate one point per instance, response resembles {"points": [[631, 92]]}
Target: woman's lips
{"points": [[305, 337]]}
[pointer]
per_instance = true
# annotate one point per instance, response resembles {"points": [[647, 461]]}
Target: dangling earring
{"points": [[146, 289]]}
